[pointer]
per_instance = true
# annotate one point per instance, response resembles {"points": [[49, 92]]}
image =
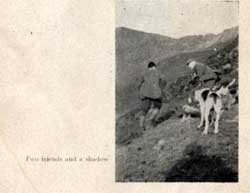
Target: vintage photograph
{"points": [[177, 91]]}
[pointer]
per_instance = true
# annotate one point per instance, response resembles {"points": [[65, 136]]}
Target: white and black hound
{"points": [[208, 100]]}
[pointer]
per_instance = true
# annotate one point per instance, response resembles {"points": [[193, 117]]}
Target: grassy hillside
{"points": [[135, 49], [175, 151], [175, 95], [183, 156]]}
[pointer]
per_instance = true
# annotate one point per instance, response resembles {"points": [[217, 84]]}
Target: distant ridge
{"points": [[227, 32]]}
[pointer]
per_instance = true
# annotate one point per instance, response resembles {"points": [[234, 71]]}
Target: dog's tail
{"points": [[231, 83]]}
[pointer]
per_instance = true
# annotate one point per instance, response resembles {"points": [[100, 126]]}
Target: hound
{"points": [[208, 100]]}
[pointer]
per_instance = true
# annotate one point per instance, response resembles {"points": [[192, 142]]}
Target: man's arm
{"points": [[200, 71], [194, 75]]}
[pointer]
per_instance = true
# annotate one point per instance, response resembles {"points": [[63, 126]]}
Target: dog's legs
{"points": [[217, 108], [212, 117], [202, 110], [208, 105], [216, 124]]}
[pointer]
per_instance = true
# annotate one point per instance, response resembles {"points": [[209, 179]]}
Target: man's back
{"points": [[151, 85], [204, 72]]}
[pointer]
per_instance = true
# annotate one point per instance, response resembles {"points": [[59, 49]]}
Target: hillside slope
{"points": [[176, 91], [134, 49], [175, 151]]}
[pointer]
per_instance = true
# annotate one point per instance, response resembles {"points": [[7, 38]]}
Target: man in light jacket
{"points": [[206, 75], [151, 93]]}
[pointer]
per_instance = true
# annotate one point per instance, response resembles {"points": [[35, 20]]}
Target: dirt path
{"points": [[162, 153]]}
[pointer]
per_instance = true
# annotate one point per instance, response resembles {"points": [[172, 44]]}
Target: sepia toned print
{"points": [[177, 91]]}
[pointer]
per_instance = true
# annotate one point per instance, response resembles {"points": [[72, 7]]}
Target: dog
{"points": [[208, 100]]}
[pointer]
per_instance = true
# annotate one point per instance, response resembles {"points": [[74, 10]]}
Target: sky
{"points": [[177, 18]]}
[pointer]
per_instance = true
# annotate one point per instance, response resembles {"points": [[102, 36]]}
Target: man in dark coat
{"points": [[151, 93]]}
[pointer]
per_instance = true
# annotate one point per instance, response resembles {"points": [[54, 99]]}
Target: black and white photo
{"points": [[176, 91]]}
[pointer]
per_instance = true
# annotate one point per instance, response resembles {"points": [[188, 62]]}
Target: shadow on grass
{"points": [[128, 129], [198, 167]]}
